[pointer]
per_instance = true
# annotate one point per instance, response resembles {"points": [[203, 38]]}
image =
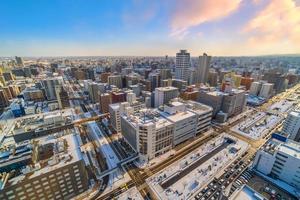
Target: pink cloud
{"points": [[278, 22], [190, 13]]}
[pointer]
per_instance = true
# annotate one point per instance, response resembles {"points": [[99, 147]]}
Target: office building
{"points": [[266, 90], [201, 73], [49, 86], [7, 92], [104, 101], [79, 74], [234, 103], [180, 84], [247, 81], [280, 159], [8, 76], [213, 99], [255, 88], [115, 111], [182, 65], [48, 168], [148, 133], [212, 78], [154, 78], [33, 94], [291, 125], [152, 132], [115, 80], [104, 77], [19, 61], [4, 102], [165, 74], [164, 94], [118, 96], [62, 97], [94, 89]]}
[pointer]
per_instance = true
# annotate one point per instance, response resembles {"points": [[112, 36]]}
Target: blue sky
{"points": [[140, 27]]}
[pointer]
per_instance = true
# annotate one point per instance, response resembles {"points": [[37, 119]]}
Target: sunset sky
{"points": [[146, 28]]}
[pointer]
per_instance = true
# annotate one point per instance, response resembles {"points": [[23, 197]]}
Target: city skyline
{"points": [[150, 28]]}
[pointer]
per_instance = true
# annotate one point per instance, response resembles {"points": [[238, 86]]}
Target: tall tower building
{"points": [[182, 65], [201, 73]]}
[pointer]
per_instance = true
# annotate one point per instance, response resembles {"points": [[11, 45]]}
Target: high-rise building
{"points": [[104, 101], [164, 94], [255, 88], [291, 125], [8, 76], [266, 90], [93, 89], [7, 92], [213, 78], [280, 160], [115, 80], [2, 80], [4, 102], [165, 74], [201, 73], [49, 86], [246, 81], [62, 97], [19, 61], [183, 64], [154, 78], [180, 84]]}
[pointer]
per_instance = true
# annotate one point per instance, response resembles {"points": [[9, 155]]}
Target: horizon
{"points": [[223, 28]]}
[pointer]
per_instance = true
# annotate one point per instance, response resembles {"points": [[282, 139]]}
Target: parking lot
{"points": [[268, 190]]}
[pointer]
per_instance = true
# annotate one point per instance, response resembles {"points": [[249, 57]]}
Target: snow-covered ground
{"points": [[132, 194], [197, 178], [257, 126], [281, 106]]}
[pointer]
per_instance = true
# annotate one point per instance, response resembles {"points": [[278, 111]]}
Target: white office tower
{"points": [[291, 125], [152, 132], [201, 72], [255, 88], [182, 65], [185, 122], [148, 133], [49, 86], [280, 160], [163, 95], [266, 90]]}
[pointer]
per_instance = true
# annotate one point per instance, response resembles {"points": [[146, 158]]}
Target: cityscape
{"points": [[166, 118]]}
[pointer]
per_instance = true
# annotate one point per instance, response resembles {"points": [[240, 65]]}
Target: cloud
{"points": [[277, 23], [190, 13]]}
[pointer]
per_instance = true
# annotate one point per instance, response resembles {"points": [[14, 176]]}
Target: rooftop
{"points": [[247, 193]]}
